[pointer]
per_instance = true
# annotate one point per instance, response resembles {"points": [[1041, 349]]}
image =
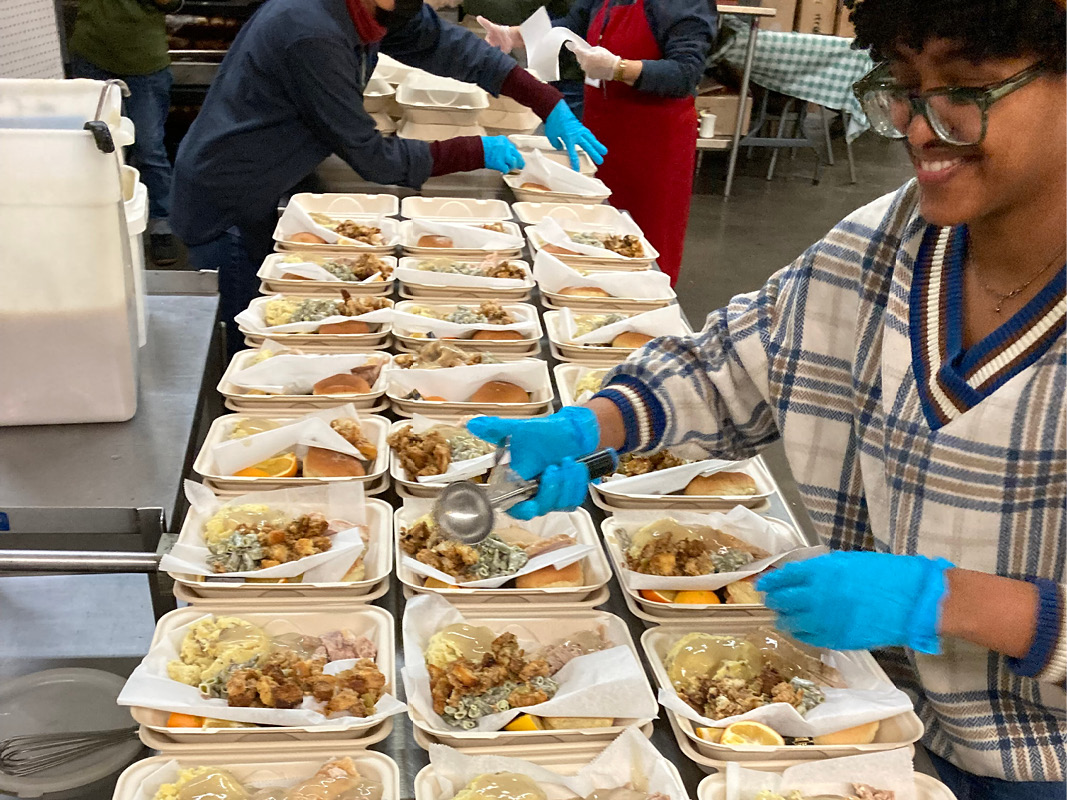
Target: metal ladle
{"points": [[464, 509]]}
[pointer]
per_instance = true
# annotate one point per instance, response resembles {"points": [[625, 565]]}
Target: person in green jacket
{"points": [[127, 39], [515, 12]]}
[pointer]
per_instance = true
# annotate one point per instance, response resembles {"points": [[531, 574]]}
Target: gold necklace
{"points": [[1001, 297]]}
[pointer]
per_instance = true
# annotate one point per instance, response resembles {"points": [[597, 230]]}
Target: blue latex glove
{"points": [[501, 154], [563, 487], [857, 600], [564, 131]]}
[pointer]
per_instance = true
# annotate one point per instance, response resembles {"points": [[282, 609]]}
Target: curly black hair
{"points": [[984, 28]]}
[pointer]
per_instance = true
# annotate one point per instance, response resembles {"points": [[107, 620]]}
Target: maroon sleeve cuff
{"points": [[461, 154], [522, 87]]}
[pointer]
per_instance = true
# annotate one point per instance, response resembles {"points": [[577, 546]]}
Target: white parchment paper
{"points": [[464, 237], [560, 177], [608, 683], [666, 321], [890, 770], [457, 384], [552, 275], [298, 374]]}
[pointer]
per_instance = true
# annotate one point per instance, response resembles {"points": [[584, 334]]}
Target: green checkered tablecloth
{"points": [[816, 68]]}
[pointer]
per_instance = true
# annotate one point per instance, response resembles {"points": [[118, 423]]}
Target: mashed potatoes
{"points": [[200, 782], [213, 647], [458, 641], [226, 520]]}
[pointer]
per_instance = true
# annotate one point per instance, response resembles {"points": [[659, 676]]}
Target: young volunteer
{"points": [[913, 363]]}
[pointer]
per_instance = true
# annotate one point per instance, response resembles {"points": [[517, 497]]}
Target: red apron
{"points": [[651, 140]]}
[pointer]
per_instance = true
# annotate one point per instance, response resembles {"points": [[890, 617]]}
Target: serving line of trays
{"points": [[538, 611]]}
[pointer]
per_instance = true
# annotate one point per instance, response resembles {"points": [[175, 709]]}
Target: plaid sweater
{"points": [[902, 442]]}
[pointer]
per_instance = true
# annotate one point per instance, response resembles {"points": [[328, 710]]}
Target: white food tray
{"points": [[593, 355], [409, 244], [514, 183], [540, 403], [455, 209], [580, 261], [406, 487], [425, 98], [292, 766], [526, 144], [678, 613], [544, 625], [902, 730], [612, 501], [408, 342], [374, 428], [429, 132], [595, 568], [322, 342], [447, 292], [239, 399], [713, 787], [374, 623], [379, 97], [379, 288], [378, 559]]}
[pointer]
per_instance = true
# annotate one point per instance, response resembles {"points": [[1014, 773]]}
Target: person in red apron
{"points": [[649, 56]]}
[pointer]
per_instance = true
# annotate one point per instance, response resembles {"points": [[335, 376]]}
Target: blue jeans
{"points": [[968, 786], [147, 108]]}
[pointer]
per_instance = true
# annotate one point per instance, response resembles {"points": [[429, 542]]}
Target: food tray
{"points": [[455, 209], [527, 144], [606, 216], [383, 288], [279, 749], [375, 428], [713, 787], [379, 97], [425, 98], [390, 70], [188, 594], [537, 196], [237, 399], [902, 730], [567, 377], [563, 758], [378, 558], [597, 262], [682, 614], [295, 763], [411, 290], [552, 301], [322, 343], [364, 207], [601, 356], [384, 124], [500, 122], [409, 245], [595, 567], [388, 225], [436, 133], [404, 487], [611, 501], [544, 625], [539, 405], [375, 623], [408, 343]]}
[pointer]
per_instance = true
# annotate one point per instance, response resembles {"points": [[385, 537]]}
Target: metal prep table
{"points": [[140, 465]]}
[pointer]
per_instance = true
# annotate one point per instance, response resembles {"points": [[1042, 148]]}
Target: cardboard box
{"points": [[785, 14], [724, 107], [843, 27], [816, 16]]}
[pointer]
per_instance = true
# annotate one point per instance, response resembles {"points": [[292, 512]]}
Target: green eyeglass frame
{"points": [[982, 97]]}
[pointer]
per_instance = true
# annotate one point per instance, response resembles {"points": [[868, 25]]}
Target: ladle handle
{"points": [[601, 463]]}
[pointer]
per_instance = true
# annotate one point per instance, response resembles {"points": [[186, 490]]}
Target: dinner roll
{"points": [[344, 383], [584, 291], [435, 240], [537, 187], [322, 463], [497, 336], [291, 276], [306, 238], [722, 483], [348, 326], [500, 392], [631, 339], [552, 578], [574, 723]]}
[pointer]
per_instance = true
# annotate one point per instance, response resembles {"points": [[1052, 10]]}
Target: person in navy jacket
{"points": [[290, 92], [649, 56]]}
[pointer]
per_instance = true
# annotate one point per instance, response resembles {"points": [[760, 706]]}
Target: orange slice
{"points": [[697, 598], [434, 583], [176, 720], [283, 466], [752, 733], [525, 722], [658, 595], [710, 734]]}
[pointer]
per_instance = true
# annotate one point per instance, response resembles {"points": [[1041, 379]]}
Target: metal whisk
{"points": [[27, 755]]}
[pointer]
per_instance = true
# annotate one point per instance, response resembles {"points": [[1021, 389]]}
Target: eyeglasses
{"points": [[957, 114]]}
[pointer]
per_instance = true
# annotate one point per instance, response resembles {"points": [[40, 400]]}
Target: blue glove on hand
{"points": [[564, 131], [858, 600], [501, 154], [547, 447]]}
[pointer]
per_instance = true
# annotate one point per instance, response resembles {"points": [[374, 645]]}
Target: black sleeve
{"points": [[684, 30], [321, 78], [578, 18]]}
